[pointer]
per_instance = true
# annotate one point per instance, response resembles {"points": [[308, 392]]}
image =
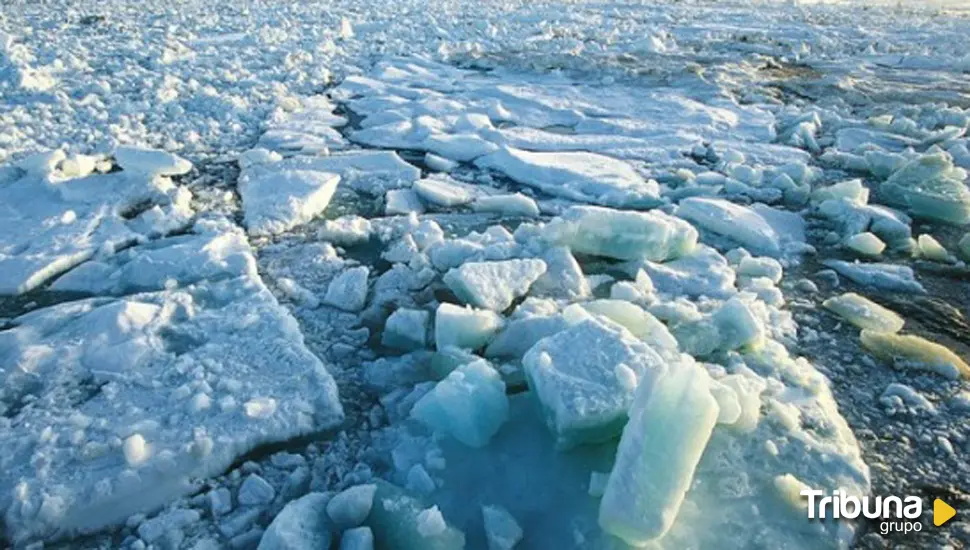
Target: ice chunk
{"points": [[597, 483], [866, 244], [514, 204], [350, 507], [964, 247], [213, 250], [563, 277], [573, 375], [931, 249], [493, 285], [442, 192], [760, 267], [402, 201], [622, 234], [464, 147], [469, 404], [878, 275], [501, 529], [406, 329], [464, 327], [301, 525], [395, 523], [438, 163], [255, 491], [640, 323], [741, 223], [864, 313], [671, 420], [521, 334], [278, 201], [348, 291], [853, 190], [151, 162], [358, 538], [579, 176], [914, 351], [372, 172], [703, 272], [930, 187], [345, 230], [738, 326]]}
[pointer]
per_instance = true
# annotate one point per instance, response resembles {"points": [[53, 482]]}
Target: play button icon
{"points": [[942, 512]]}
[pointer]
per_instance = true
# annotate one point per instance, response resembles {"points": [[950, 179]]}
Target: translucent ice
{"points": [[622, 234], [931, 187], [914, 351], [864, 313], [671, 420], [400, 521], [469, 404], [301, 525], [464, 327]]}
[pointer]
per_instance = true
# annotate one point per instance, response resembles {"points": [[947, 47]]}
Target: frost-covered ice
{"points": [[586, 177], [51, 223], [584, 378], [493, 285], [236, 374], [579, 177], [275, 201]]}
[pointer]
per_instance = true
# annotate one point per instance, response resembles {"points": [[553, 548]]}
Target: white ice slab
{"points": [[191, 379], [275, 201], [493, 285], [580, 176], [47, 227], [741, 223]]}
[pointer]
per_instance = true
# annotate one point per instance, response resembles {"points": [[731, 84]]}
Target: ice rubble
{"points": [[52, 223], [235, 376]]}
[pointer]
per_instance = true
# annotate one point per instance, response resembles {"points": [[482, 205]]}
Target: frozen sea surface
{"points": [[480, 275]]}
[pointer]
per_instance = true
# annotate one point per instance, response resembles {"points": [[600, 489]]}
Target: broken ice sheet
{"points": [[49, 226], [224, 357]]}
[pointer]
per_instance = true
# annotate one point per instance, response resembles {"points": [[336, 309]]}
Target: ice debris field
{"points": [[302, 275]]}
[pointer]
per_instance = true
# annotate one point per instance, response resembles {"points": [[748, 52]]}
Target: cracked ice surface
{"points": [[629, 152]]}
